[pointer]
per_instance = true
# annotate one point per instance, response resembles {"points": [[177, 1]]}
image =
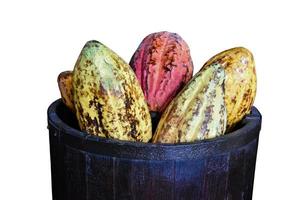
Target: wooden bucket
{"points": [[86, 167]]}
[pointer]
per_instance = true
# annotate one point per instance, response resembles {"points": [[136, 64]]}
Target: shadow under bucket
{"points": [[86, 167]]}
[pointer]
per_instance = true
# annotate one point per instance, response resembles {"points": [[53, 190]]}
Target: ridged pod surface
{"points": [[198, 112], [64, 81], [163, 65], [108, 99], [240, 82]]}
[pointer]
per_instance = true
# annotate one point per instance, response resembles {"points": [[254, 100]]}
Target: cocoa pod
{"points": [[240, 82], [108, 99], [163, 65], [198, 112], [64, 81]]}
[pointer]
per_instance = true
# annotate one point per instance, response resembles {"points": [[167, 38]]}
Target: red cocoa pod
{"points": [[163, 65]]}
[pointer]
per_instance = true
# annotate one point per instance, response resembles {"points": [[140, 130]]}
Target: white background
{"points": [[39, 39]]}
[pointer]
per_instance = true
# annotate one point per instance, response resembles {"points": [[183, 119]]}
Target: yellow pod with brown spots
{"points": [[198, 112], [240, 82], [64, 81], [108, 99]]}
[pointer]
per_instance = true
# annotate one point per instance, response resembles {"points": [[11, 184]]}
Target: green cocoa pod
{"points": [[198, 112], [108, 99]]}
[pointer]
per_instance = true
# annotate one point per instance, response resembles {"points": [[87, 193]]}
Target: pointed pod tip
{"points": [[64, 74], [241, 49], [92, 43], [164, 33]]}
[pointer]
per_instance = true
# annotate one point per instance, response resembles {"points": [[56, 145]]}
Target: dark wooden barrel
{"points": [[86, 167]]}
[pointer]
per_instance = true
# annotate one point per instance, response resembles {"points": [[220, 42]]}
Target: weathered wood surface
{"points": [[90, 168]]}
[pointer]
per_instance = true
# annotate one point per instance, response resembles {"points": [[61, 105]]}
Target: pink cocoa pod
{"points": [[163, 65]]}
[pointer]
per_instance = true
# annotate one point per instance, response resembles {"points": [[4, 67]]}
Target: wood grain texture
{"points": [[89, 168]]}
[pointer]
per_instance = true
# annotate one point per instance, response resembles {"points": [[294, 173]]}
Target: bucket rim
{"points": [[249, 131]]}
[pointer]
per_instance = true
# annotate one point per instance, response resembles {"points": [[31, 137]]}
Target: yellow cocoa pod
{"points": [[198, 112], [64, 81], [240, 82], [108, 99]]}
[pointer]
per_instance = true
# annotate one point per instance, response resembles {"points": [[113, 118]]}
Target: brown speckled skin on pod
{"points": [[163, 65], [198, 112], [240, 82], [64, 81], [108, 99]]}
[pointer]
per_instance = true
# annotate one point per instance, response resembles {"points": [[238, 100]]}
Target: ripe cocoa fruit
{"points": [[163, 65], [108, 99], [64, 81], [198, 112], [240, 82]]}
